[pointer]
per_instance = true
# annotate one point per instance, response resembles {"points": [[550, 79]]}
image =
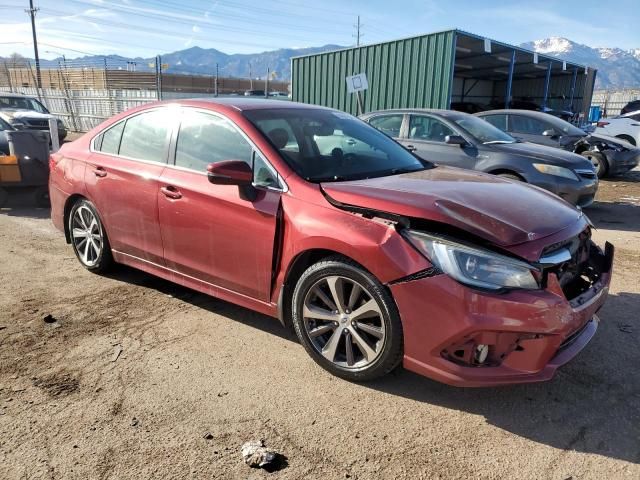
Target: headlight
{"points": [[555, 170], [59, 122], [471, 266]]}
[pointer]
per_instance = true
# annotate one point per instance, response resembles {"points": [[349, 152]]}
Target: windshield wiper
{"points": [[493, 142]]}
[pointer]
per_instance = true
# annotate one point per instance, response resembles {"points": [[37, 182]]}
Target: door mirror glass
{"points": [[549, 133], [455, 140], [230, 172]]}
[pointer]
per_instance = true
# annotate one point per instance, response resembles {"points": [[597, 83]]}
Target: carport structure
{"points": [[438, 69]]}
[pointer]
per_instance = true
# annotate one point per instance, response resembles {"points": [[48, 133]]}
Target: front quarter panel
{"points": [[373, 243]]}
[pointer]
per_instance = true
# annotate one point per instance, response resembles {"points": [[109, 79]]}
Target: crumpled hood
{"points": [[10, 114], [500, 211], [545, 154]]}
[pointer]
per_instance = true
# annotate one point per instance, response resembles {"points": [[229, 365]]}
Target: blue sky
{"points": [[148, 27]]}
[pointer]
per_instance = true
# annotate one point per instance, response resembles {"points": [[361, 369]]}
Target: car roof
{"points": [[14, 95], [246, 103], [432, 111]]}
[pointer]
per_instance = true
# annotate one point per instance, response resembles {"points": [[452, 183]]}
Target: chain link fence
{"points": [[83, 93], [612, 101]]}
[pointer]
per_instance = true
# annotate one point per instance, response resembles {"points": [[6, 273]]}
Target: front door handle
{"points": [[171, 192], [411, 148], [100, 172]]}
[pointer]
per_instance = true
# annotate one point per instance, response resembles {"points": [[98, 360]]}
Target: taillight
{"points": [[601, 124]]}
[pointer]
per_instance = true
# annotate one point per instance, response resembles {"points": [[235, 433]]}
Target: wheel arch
{"points": [[298, 264], [627, 138], [510, 171], [68, 205]]}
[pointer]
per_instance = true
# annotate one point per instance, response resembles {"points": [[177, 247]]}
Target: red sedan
{"points": [[374, 256]]}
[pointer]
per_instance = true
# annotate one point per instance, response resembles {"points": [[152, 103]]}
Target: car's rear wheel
{"points": [[88, 237], [599, 162], [346, 320]]}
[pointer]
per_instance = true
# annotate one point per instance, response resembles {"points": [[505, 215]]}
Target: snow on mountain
{"points": [[617, 68]]}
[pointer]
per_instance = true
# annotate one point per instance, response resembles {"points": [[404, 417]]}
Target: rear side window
{"points": [[388, 124], [110, 142], [498, 121], [526, 125], [205, 139], [145, 136]]}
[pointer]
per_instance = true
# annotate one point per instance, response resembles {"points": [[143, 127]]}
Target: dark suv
{"points": [[461, 140]]}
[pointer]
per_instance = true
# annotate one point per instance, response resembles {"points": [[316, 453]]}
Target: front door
{"points": [[426, 137], [213, 232], [122, 181]]}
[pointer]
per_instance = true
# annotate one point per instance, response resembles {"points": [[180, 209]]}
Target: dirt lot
{"points": [[72, 407]]}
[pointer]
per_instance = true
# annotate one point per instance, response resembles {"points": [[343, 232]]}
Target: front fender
{"points": [[373, 243]]}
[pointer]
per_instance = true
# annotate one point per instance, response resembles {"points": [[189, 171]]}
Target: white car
{"points": [[625, 127]]}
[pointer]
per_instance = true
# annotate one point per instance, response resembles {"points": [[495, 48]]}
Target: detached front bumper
{"points": [[529, 333]]}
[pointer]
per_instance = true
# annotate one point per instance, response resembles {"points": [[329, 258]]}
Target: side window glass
{"points": [[429, 129], [529, 126], [388, 124], [110, 139], [263, 174], [205, 139], [145, 136], [498, 121]]}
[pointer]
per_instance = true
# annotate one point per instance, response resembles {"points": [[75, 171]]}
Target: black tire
{"points": [[4, 196], [102, 261], [388, 349], [511, 176], [627, 138], [599, 161], [41, 197]]}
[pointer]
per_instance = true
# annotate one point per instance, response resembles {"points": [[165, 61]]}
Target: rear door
{"points": [[426, 138], [122, 181], [215, 233], [531, 129]]}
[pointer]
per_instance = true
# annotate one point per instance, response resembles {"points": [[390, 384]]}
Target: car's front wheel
{"points": [[88, 237], [599, 162], [347, 320]]}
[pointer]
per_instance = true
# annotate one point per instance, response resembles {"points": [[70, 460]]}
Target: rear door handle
{"points": [[171, 192], [100, 172], [351, 142]]}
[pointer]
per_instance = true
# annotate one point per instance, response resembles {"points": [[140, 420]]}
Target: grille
{"points": [[570, 271], [40, 124]]}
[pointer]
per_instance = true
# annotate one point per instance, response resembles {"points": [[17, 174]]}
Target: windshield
{"points": [[21, 103], [482, 130], [324, 145], [4, 125]]}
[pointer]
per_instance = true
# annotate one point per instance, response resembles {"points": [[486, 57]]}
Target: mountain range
{"points": [[617, 68]]}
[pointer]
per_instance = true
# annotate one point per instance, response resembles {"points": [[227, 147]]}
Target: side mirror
{"points": [[230, 172], [549, 133], [455, 140]]}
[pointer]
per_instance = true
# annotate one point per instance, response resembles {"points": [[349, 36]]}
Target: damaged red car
{"points": [[374, 256]]}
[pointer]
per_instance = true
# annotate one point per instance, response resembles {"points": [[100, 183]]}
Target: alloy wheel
{"points": [[86, 235], [344, 322]]}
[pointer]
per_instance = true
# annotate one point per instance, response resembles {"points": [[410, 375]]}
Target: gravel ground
{"points": [[133, 377]]}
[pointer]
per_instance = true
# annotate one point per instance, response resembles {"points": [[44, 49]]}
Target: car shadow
{"points": [[591, 406], [206, 302], [622, 215], [632, 177], [22, 203]]}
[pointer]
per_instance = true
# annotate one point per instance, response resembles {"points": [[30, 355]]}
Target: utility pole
{"points": [[250, 77], [216, 86], [32, 13], [357, 36], [266, 84]]}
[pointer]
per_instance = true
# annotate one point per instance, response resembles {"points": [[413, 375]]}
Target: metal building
{"points": [[434, 70]]}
